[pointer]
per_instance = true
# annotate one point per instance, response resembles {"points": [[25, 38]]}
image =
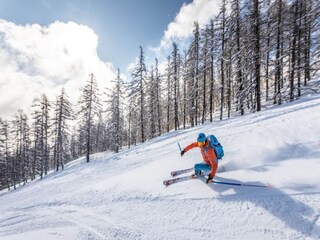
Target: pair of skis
{"points": [[179, 179], [193, 176]]}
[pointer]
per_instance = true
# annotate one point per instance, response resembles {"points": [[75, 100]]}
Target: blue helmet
{"points": [[201, 137]]}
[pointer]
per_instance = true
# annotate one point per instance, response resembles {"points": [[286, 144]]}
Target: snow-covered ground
{"points": [[122, 196]]}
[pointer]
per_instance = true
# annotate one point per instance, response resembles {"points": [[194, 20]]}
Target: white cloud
{"points": [[183, 24], [38, 59]]}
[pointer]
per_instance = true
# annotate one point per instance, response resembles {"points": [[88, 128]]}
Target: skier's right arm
{"points": [[189, 147], [183, 152]]}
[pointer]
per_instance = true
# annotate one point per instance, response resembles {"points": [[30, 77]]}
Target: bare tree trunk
{"points": [[211, 69], [278, 52], [222, 58], [256, 13], [293, 52]]}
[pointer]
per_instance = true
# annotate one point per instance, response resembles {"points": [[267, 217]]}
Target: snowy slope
{"points": [[122, 197]]}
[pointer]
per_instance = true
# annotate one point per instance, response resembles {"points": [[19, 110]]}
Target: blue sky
{"points": [[121, 25], [49, 44]]}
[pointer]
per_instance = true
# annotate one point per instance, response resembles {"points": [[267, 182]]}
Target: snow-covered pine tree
{"points": [[115, 113], [222, 54], [61, 130], [5, 164], [204, 69], [278, 61], [211, 32], [158, 98], [310, 39], [175, 70], [235, 22], [154, 101], [189, 89], [184, 74], [195, 53], [302, 23], [21, 157], [90, 107], [151, 103], [266, 45], [41, 125], [192, 75], [137, 92], [168, 89]]}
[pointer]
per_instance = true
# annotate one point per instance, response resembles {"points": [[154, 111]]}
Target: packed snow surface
{"points": [[121, 196]]}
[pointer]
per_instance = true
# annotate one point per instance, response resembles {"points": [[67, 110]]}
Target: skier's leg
{"points": [[214, 169], [202, 169]]}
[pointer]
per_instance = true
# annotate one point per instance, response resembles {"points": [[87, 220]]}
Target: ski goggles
{"points": [[201, 144]]}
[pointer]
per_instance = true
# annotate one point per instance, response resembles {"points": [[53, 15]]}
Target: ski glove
{"points": [[183, 152], [210, 179]]}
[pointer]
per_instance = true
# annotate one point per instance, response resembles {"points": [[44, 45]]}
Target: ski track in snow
{"points": [[122, 197]]}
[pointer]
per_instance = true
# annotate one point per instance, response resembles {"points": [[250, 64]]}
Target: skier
{"points": [[210, 165]]}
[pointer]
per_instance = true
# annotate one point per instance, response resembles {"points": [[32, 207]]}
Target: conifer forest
{"points": [[254, 54]]}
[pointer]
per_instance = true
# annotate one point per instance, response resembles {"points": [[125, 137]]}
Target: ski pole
{"points": [[178, 143], [240, 184]]}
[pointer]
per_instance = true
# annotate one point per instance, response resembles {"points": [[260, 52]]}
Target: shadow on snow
{"points": [[295, 214]]}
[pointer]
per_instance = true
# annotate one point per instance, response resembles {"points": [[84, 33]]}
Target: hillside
{"points": [[121, 196]]}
